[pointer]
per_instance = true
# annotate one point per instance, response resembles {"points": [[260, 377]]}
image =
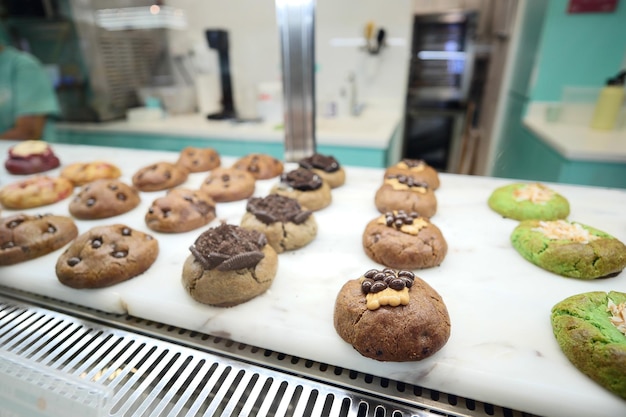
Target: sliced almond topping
{"points": [[563, 230], [535, 193], [618, 312]]}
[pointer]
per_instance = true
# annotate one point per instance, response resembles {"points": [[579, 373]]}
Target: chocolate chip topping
{"points": [[228, 248], [277, 208], [408, 181], [400, 218], [301, 179], [318, 161], [375, 281], [413, 163]]}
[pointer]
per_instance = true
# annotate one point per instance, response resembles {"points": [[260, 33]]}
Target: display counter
{"points": [[577, 153], [370, 139], [501, 349]]}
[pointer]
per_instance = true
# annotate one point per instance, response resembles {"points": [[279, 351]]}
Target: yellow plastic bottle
{"points": [[609, 103]]}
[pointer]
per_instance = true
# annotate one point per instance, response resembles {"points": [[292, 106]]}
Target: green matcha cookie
{"points": [[590, 328], [522, 201], [569, 249]]}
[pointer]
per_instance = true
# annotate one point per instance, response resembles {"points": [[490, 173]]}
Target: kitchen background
{"points": [[107, 57]]}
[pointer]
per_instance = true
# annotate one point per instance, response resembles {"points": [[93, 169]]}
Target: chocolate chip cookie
{"points": [[160, 176], [260, 166], [305, 186], [180, 210], [401, 192], [228, 184], [101, 199], [106, 255], [404, 240], [391, 315], [590, 329], [228, 266], [569, 248], [24, 237], [281, 220], [199, 159], [327, 167]]}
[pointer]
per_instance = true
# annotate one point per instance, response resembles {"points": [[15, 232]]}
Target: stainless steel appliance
{"points": [[440, 80]]}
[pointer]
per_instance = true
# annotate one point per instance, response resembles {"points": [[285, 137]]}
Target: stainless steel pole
{"points": [[296, 23]]}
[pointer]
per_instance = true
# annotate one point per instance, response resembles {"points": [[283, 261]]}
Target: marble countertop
{"points": [[575, 140], [501, 349], [373, 128]]}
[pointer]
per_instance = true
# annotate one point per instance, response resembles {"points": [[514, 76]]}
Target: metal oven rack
{"points": [[157, 370]]}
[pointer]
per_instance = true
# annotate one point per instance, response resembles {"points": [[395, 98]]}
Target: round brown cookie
{"points": [[417, 169], [326, 167], [81, 173], [35, 191], [590, 329], [24, 237], [400, 192], [228, 184], [281, 220], [101, 199], [106, 255], [31, 157], [305, 186], [391, 315], [180, 210], [229, 265], [199, 159], [160, 176], [404, 240], [261, 166]]}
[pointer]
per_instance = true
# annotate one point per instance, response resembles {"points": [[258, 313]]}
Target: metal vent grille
{"points": [[157, 370], [131, 59]]}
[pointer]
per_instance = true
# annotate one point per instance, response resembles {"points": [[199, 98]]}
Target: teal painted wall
{"points": [[578, 49]]}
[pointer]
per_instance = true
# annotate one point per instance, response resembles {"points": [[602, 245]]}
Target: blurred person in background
{"points": [[27, 97]]}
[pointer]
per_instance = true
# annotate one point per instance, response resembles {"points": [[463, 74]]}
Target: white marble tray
{"points": [[501, 348]]}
